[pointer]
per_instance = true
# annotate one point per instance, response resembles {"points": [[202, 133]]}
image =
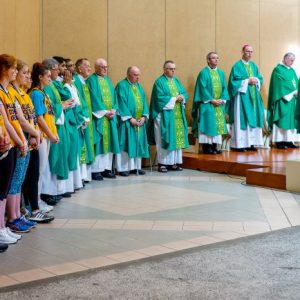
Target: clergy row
{"points": [[241, 105], [70, 124]]}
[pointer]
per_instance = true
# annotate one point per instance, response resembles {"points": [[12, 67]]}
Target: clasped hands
{"points": [[179, 98], [252, 80], [140, 122], [216, 102], [110, 114]]}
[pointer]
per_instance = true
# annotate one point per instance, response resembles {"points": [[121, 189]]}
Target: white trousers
{"points": [[124, 163], [164, 156]]}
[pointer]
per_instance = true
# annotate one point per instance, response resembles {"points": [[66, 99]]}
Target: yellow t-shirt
{"points": [[11, 104], [26, 105]]}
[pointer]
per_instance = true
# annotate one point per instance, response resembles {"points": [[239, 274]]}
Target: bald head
{"points": [[133, 74], [101, 67]]}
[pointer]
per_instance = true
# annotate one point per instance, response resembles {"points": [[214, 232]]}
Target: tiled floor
{"points": [[132, 218]]}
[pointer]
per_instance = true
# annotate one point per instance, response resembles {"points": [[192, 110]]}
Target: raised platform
{"points": [[266, 167]]}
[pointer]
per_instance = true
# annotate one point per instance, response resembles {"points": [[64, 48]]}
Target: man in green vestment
{"points": [[83, 69], [61, 95], [104, 107], [63, 84], [133, 112], [246, 110], [167, 126], [282, 102], [210, 96]]}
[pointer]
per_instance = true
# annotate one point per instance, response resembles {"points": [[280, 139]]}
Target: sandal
{"points": [[162, 169], [175, 168]]}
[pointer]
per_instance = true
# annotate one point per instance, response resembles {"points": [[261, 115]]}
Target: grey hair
{"points": [[288, 54], [50, 63]]}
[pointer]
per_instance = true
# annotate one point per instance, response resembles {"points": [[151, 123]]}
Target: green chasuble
{"points": [[297, 114], [71, 124], [281, 112], [174, 129], [87, 155], [105, 131], [251, 104], [207, 118], [132, 104], [58, 155]]}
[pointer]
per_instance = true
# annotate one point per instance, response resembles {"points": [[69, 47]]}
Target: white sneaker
{"points": [[44, 207], [12, 234], [5, 238]]}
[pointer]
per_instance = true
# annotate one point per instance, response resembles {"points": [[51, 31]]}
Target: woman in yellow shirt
{"points": [[18, 143]]}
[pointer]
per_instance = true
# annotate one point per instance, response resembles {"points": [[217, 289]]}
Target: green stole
{"points": [[56, 93], [107, 102], [87, 96], [179, 126], [217, 93], [252, 87]]}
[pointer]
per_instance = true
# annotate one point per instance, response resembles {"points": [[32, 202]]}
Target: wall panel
{"points": [[136, 31], [8, 27], [190, 35], [28, 30], [75, 28], [237, 23]]}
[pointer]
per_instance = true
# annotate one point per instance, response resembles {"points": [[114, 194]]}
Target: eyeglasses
{"points": [[103, 67]]}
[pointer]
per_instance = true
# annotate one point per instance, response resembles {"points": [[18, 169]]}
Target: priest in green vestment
{"points": [[282, 102], [133, 112], [104, 107], [87, 156], [246, 110], [167, 126], [59, 94], [210, 96]]}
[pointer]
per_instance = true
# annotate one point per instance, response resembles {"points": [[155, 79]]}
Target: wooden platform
{"points": [[263, 168]]}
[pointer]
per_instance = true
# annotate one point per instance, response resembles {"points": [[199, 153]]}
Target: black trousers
{"points": [[7, 167], [30, 184]]}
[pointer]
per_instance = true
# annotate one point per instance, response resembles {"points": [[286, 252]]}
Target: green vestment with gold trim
{"points": [[105, 130], [208, 118], [174, 128], [132, 104]]}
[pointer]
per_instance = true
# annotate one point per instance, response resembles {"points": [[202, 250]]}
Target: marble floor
{"points": [[126, 219]]}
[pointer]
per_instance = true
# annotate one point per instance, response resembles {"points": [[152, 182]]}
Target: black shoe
{"points": [[108, 174], [141, 172], [281, 145], [252, 148], [45, 196], [291, 145], [3, 247], [67, 195], [57, 198], [174, 168], [97, 176], [50, 200], [238, 149], [207, 149], [215, 149], [124, 174]]}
